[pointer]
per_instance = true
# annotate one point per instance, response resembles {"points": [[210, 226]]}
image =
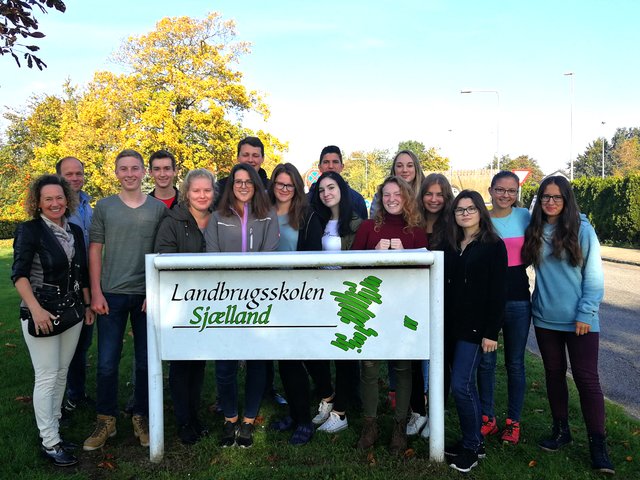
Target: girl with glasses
{"points": [[510, 223], [300, 230], [475, 293], [243, 222], [563, 247]]}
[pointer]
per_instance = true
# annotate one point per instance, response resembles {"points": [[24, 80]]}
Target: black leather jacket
{"points": [[34, 237]]}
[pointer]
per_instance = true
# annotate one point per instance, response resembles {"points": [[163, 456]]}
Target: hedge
{"points": [[612, 205], [7, 228]]}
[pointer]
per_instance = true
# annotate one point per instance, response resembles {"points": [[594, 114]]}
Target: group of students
{"points": [[486, 291]]}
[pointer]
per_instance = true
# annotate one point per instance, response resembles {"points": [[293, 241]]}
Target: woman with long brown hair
{"points": [[563, 247]]}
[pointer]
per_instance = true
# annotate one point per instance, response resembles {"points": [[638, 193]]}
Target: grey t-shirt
{"points": [[126, 235]]}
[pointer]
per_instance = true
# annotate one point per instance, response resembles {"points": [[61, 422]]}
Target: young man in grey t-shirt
{"points": [[122, 232]]}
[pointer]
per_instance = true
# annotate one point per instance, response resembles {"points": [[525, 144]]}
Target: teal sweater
{"points": [[564, 294]]}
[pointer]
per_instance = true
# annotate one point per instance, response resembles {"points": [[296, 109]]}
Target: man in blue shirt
{"points": [[72, 170]]}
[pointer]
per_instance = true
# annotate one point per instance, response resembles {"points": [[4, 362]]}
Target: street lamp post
{"points": [[497, 120], [570, 75], [603, 140]]}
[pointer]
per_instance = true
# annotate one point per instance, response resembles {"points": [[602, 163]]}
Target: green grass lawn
{"points": [[326, 457]]}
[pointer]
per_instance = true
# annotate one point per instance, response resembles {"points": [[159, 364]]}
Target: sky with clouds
{"points": [[368, 74]]}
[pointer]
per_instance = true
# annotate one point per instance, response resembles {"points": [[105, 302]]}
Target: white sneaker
{"points": [[415, 423], [324, 409], [425, 430], [334, 424]]}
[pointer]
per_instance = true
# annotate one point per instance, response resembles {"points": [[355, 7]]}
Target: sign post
{"points": [[295, 305]]}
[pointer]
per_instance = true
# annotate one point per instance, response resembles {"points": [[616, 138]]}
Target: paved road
{"points": [[620, 336]]}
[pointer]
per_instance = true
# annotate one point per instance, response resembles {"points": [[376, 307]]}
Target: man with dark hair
{"points": [[331, 161], [251, 152], [121, 234], [162, 168], [72, 170]]}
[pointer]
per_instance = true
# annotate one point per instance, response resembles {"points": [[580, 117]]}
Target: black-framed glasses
{"points": [[285, 187], [243, 183], [548, 198], [512, 192], [469, 210]]}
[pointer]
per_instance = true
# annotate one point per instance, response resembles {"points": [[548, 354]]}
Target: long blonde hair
{"points": [[410, 213]]}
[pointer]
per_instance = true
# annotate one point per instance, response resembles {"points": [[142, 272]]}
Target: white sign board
{"points": [[295, 305], [295, 314]]}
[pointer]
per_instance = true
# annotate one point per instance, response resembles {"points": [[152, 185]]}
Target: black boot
{"points": [[599, 457], [560, 436]]}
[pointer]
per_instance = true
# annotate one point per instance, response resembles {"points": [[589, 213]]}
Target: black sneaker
{"points": [[187, 434], [458, 449], [59, 456], [245, 435], [69, 405], [464, 461], [229, 433]]}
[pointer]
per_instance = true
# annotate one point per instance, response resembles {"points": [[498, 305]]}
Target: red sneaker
{"points": [[511, 432], [489, 426], [391, 399]]}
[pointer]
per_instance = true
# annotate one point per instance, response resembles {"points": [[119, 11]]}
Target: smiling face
{"points": [[433, 199], [200, 194], [162, 172], [283, 188], [251, 156], [243, 187], [73, 171], [552, 208], [504, 193], [392, 198], [405, 168], [53, 203], [129, 172], [329, 193]]}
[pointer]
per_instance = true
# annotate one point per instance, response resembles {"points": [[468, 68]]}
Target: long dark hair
{"points": [[565, 234], [299, 202], [409, 210], [438, 235], [260, 205], [346, 210], [455, 234]]}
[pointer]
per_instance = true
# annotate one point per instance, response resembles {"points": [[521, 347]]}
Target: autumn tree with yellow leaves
{"points": [[179, 90]]}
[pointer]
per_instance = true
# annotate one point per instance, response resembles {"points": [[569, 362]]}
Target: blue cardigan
{"points": [[565, 294]]}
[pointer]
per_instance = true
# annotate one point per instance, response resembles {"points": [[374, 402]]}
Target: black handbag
{"points": [[69, 309]]}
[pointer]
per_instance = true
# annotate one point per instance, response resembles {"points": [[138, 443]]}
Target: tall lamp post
{"points": [[603, 140], [497, 120], [570, 75]]}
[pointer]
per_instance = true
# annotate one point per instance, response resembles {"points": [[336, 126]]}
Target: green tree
{"points": [[430, 158], [17, 20], [589, 163], [523, 162], [366, 170]]}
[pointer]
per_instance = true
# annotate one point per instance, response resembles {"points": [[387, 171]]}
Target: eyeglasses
{"points": [[548, 198], [469, 210], [243, 183], [512, 192], [286, 187]]}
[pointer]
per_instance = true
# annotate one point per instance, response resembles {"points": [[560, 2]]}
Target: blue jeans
{"points": [[227, 381], [111, 331], [466, 358], [515, 331], [77, 376]]}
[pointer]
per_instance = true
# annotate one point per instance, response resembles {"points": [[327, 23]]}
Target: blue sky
{"points": [[368, 74]]}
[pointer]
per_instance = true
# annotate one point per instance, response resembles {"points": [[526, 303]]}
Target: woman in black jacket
{"points": [[49, 261], [181, 231], [475, 295]]}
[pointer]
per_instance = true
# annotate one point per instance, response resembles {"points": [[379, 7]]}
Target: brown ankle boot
{"points": [[369, 433], [398, 443]]}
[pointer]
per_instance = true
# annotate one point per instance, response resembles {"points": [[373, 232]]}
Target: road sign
{"points": [[522, 175]]}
